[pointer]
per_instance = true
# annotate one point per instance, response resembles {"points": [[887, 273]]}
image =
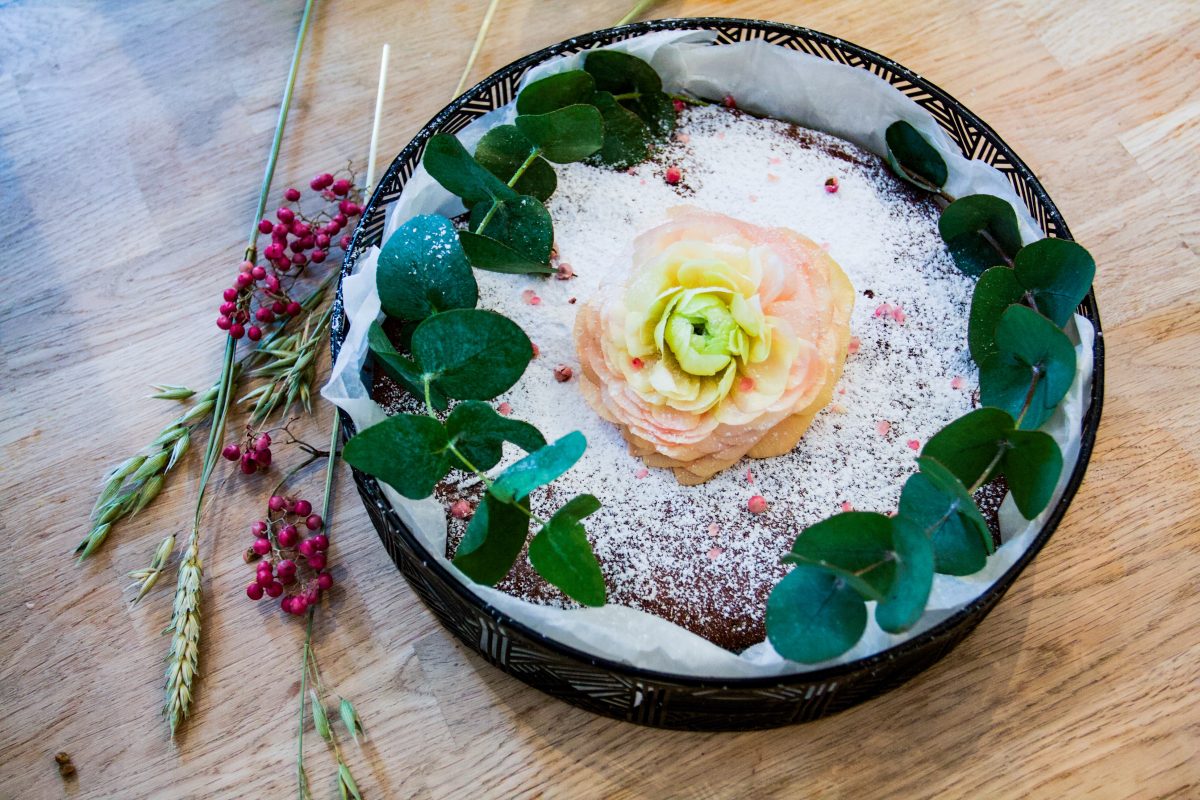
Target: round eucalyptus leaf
{"points": [[400, 368], [626, 136], [568, 134], [996, 290], [1058, 274], [980, 231], [1032, 466], [539, 467], [493, 540], [503, 150], [422, 270], [561, 554], [471, 354], [856, 545], [478, 433], [555, 92], [905, 601], [522, 224], [968, 446], [407, 452], [935, 504], [1032, 369], [913, 158], [448, 162], [814, 615], [634, 84]]}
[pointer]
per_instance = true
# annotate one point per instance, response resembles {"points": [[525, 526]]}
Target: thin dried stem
{"points": [[479, 37]]}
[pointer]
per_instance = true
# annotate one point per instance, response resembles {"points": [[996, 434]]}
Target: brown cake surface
{"points": [[697, 556]]}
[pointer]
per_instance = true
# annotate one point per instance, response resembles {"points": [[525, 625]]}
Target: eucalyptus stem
{"points": [[183, 661]]}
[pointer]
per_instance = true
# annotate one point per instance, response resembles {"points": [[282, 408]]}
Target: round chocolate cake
{"points": [[706, 556]]}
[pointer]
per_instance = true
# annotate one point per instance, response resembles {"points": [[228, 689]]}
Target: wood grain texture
{"points": [[132, 137]]}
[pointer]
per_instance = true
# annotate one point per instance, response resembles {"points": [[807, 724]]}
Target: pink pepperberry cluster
{"points": [[253, 454], [297, 240], [290, 554]]}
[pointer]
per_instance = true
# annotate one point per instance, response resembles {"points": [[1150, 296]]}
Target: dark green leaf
{"points": [[407, 452], [1030, 351], [448, 162], [494, 538], [1058, 274], [985, 443], [471, 354], [400, 368], [635, 85], [980, 231], [561, 554], [913, 158], [996, 290], [522, 225], [937, 505], [555, 92], [1032, 465], [477, 432], [626, 137], [504, 149], [814, 615], [569, 134], [422, 270], [969, 445], [539, 467], [487, 253], [906, 600], [857, 545]]}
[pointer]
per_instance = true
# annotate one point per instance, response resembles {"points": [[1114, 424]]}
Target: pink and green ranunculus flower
{"points": [[726, 341]]}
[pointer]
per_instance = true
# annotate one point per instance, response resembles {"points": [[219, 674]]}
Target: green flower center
{"points": [[702, 333]]}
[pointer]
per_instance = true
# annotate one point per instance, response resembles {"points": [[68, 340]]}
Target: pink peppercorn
{"points": [[757, 504]]}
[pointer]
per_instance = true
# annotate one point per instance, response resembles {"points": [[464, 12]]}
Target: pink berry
{"points": [[288, 536], [563, 373], [299, 259], [318, 256], [461, 509], [321, 181], [314, 522], [285, 215], [300, 229], [831, 185], [308, 241], [293, 308], [258, 273], [340, 220], [258, 528], [279, 231], [227, 308], [317, 561], [265, 226], [278, 307], [299, 604], [729, 102], [345, 207], [254, 333], [757, 504], [283, 263], [232, 452], [677, 105], [274, 589], [674, 175], [262, 545], [322, 240], [307, 549], [230, 294], [243, 280], [263, 458], [320, 542], [292, 194], [303, 508], [344, 243], [248, 465], [262, 442], [325, 581], [341, 187], [264, 314], [272, 284], [236, 330], [276, 503], [254, 591], [286, 567], [264, 579]]}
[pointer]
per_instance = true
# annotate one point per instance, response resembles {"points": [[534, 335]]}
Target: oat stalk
{"points": [[291, 369], [183, 659], [145, 578]]}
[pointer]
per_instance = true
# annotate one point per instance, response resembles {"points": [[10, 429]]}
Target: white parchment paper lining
{"points": [[769, 80]]}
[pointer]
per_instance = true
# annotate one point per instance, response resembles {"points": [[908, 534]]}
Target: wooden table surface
{"points": [[132, 139]]}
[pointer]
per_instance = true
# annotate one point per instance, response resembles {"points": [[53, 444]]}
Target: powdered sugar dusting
{"points": [[697, 555]]}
